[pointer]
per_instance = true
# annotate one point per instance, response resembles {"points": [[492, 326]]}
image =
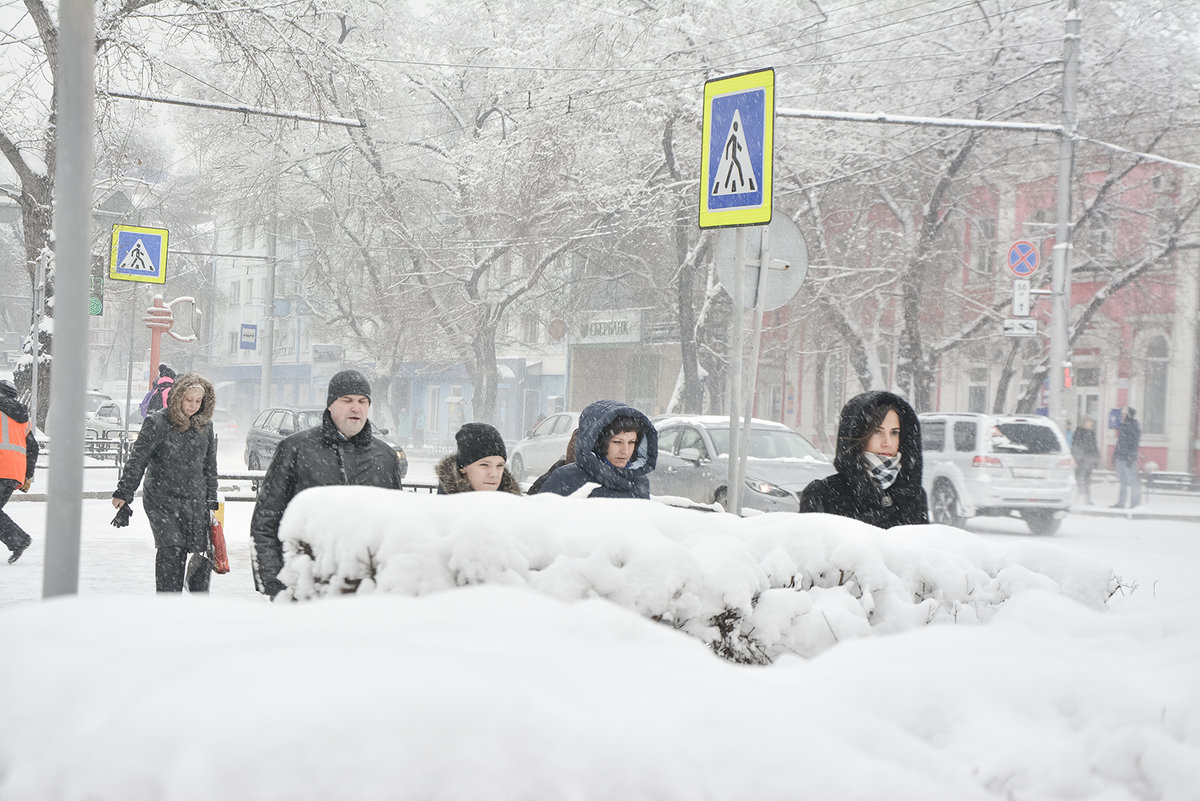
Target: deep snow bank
{"points": [[498, 693], [751, 588]]}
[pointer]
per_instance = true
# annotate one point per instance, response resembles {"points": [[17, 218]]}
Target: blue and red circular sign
{"points": [[1023, 258]]}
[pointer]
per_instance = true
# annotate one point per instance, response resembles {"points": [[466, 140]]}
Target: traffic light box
{"points": [[96, 292]]}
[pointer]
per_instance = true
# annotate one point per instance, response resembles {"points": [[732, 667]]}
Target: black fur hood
{"points": [[852, 427]]}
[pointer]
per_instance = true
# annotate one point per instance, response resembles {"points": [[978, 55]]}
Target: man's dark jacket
{"points": [[317, 457], [852, 492], [631, 481], [1129, 439]]}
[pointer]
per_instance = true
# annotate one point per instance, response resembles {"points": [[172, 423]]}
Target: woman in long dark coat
{"points": [[878, 461], [176, 449]]}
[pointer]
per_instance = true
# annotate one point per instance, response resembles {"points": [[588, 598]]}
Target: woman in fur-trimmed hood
{"points": [[879, 465], [176, 451], [478, 463]]}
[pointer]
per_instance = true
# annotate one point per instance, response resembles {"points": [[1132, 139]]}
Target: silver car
{"points": [[693, 462], [545, 445], [996, 465]]}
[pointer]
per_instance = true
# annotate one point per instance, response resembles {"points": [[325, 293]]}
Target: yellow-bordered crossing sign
{"points": [[138, 254], [736, 150]]}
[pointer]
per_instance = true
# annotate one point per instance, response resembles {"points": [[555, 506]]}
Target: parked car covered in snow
{"points": [[545, 445]]}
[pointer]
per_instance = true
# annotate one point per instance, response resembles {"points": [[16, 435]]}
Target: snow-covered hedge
{"points": [[751, 588]]}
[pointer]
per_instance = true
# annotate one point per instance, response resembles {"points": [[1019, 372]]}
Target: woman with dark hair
{"points": [[478, 463], [176, 449], [878, 461], [616, 447]]}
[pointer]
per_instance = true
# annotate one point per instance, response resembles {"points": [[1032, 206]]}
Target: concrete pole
{"points": [[1060, 291], [72, 231], [268, 338]]}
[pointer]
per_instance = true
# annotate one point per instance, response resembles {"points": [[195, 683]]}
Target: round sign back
{"points": [[786, 250]]}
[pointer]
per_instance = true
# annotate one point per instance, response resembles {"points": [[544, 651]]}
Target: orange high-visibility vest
{"points": [[12, 448]]}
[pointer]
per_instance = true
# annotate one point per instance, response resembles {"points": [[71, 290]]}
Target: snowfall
{"points": [[487, 646]]}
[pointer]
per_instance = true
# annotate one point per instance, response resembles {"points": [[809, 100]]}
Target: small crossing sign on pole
{"points": [[736, 150], [138, 254]]}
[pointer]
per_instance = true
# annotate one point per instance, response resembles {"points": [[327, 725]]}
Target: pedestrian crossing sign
{"points": [[736, 150], [138, 254]]}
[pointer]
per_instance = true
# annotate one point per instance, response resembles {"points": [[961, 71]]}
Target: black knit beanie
{"points": [[165, 371], [347, 382], [478, 441]]}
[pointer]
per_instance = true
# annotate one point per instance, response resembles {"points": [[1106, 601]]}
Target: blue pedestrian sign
{"points": [[249, 337], [1023, 258], [138, 254], [736, 150]]}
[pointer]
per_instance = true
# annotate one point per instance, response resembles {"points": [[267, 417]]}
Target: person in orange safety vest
{"points": [[18, 457]]}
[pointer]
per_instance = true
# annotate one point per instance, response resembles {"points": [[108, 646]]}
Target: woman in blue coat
{"points": [[615, 450]]}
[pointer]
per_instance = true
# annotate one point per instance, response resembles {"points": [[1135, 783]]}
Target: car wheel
{"points": [[721, 496], [518, 467], [943, 506], [1041, 521]]}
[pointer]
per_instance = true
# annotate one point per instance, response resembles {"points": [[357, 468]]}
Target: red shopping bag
{"points": [[220, 556]]}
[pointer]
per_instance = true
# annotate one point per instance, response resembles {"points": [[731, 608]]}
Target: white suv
{"points": [[994, 465]]}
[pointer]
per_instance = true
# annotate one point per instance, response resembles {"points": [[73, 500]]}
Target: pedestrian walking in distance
{"points": [[176, 453], [18, 458]]}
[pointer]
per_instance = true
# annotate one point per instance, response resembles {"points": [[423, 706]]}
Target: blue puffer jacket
{"points": [[615, 482]]}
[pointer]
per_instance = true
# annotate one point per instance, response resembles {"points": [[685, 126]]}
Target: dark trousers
{"points": [[169, 570], [11, 534]]}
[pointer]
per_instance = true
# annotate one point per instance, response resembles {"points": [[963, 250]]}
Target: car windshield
{"points": [[1024, 438], [769, 444]]}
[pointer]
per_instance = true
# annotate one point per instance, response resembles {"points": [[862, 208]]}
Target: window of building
{"points": [[1154, 386], [233, 343], [982, 258], [235, 292], [433, 404], [1087, 377], [249, 290], [529, 328], [977, 390]]}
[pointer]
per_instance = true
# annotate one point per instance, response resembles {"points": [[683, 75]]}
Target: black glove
{"points": [[121, 518], [212, 506]]}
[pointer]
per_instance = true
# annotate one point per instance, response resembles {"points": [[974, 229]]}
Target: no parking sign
{"points": [[1023, 258]]}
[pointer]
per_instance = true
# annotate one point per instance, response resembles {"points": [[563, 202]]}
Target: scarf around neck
{"points": [[882, 469]]}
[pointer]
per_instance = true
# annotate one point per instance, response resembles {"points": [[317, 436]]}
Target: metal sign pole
{"points": [[733, 497], [764, 260]]}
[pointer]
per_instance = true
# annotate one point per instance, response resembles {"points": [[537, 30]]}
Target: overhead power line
{"points": [[240, 109]]}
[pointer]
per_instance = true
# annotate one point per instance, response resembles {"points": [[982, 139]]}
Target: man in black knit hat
{"points": [[342, 450]]}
